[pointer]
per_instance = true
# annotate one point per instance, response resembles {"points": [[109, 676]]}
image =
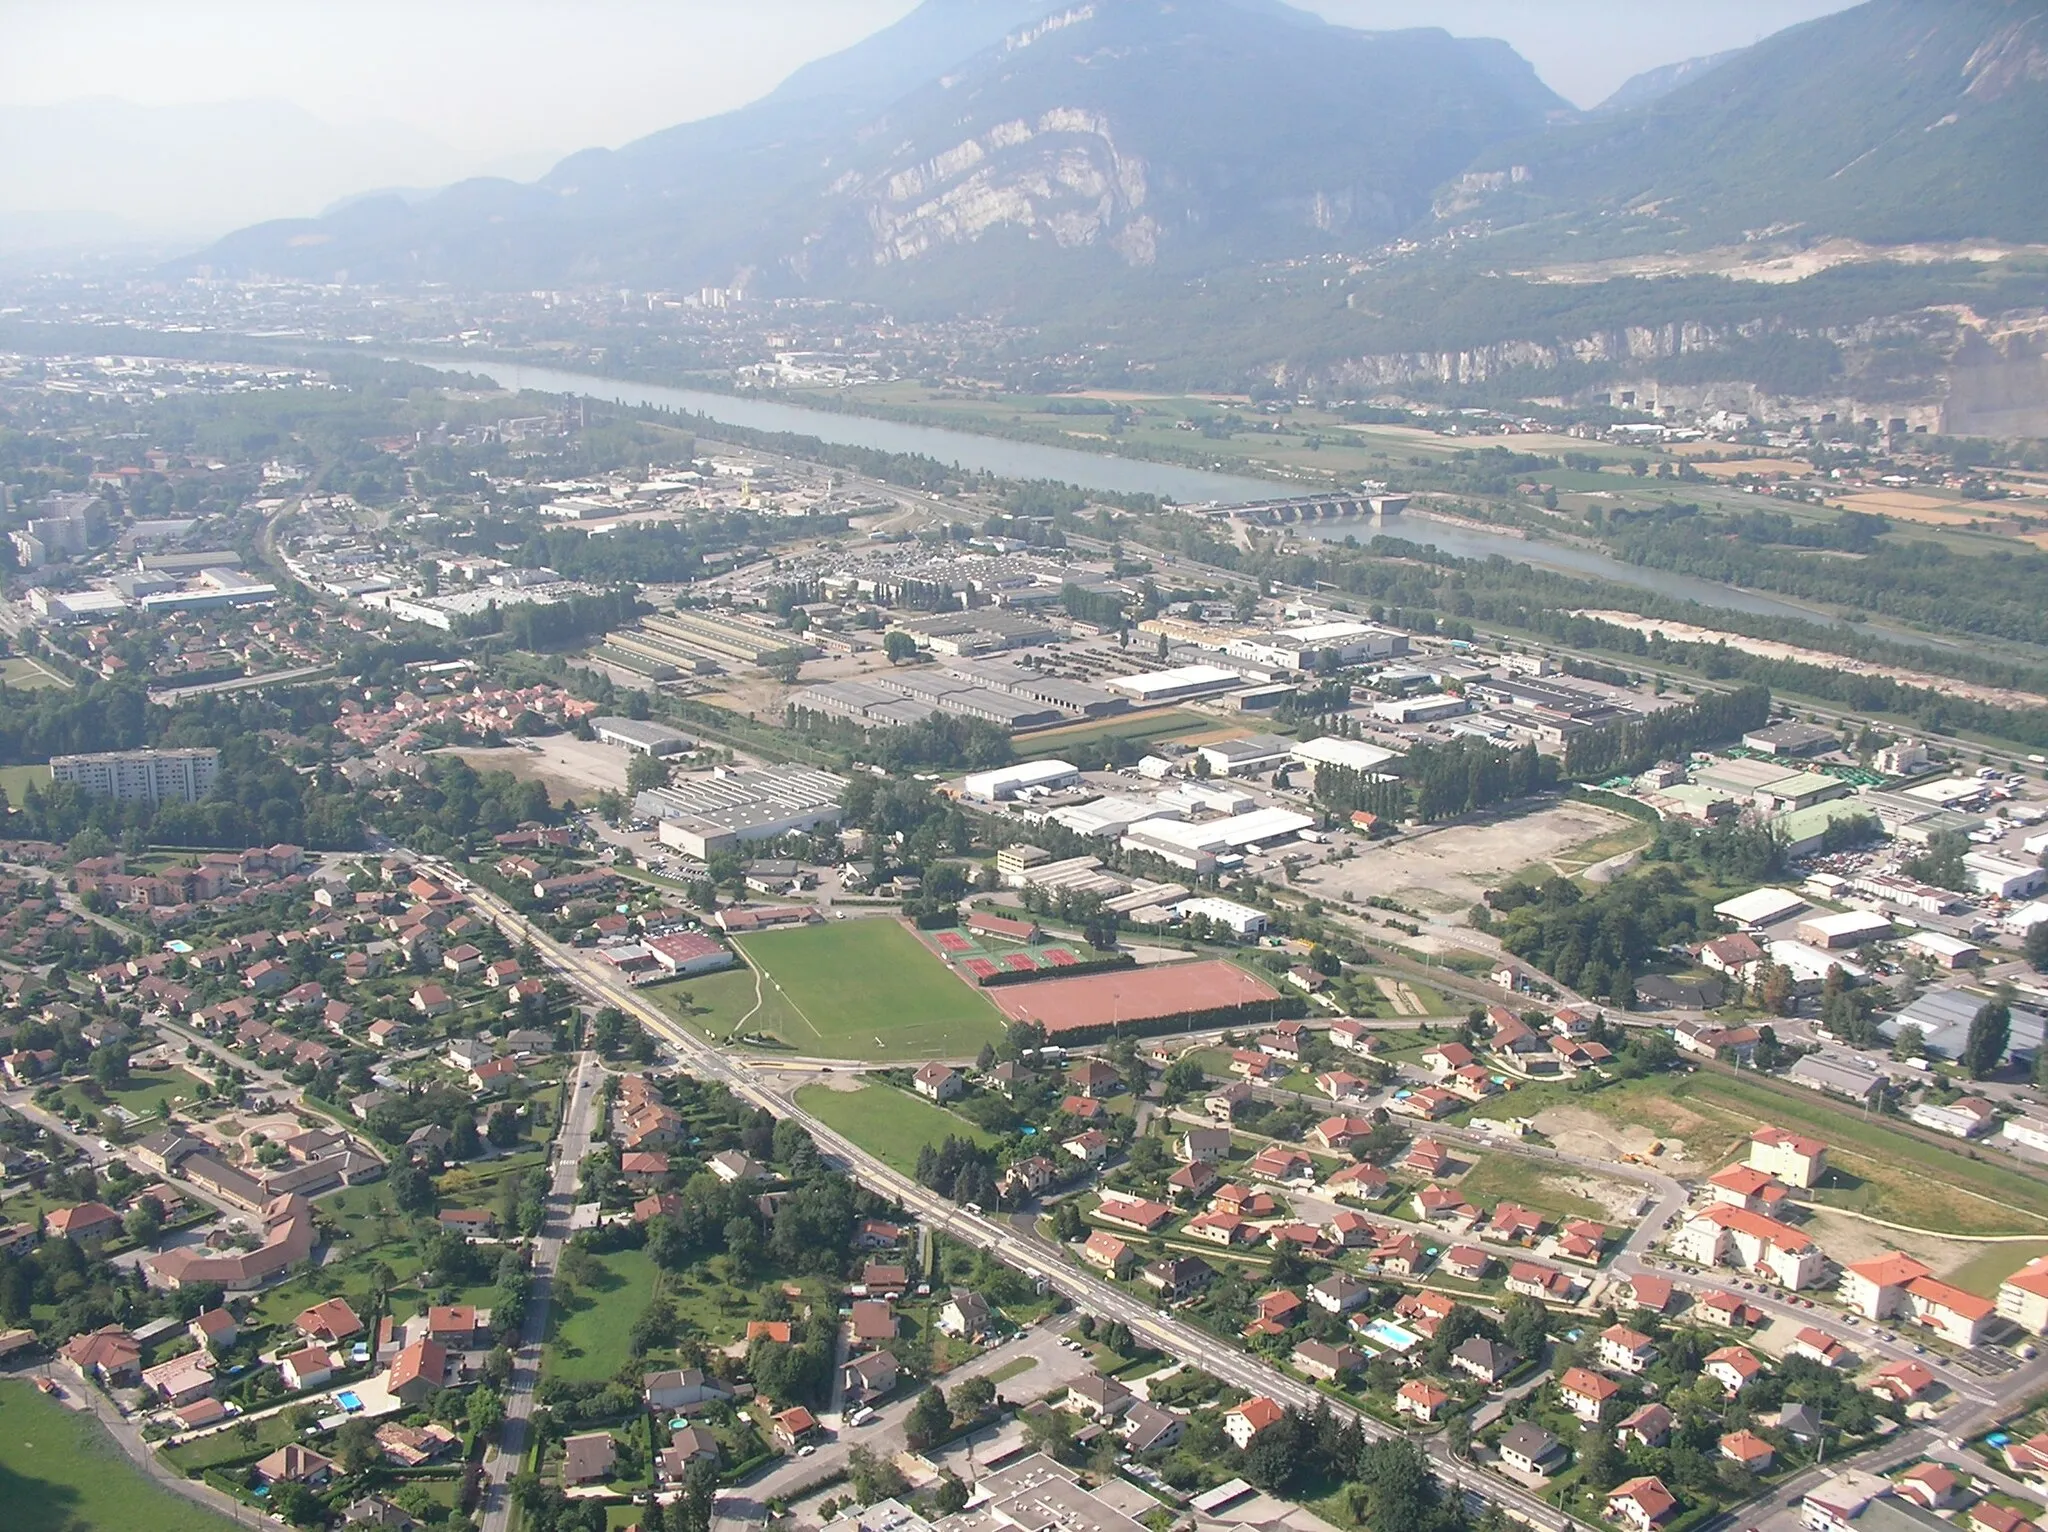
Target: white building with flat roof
{"points": [[1238, 919], [2002, 878], [1352, 754], [1760, 907], [140, 776], [1153, 687], [639, 734], [1844, 930], [1008, 781]]}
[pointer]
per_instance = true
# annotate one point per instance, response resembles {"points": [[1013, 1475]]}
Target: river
{"points": [[1189, 486]]}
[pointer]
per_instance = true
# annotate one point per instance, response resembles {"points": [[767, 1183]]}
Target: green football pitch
{"points": [[868, 989]]}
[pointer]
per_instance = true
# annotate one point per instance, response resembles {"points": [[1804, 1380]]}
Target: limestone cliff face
{"points": [[1169, 133]]}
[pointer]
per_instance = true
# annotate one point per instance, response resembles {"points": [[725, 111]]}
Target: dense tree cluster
{"points": [[1713, 718], [1598, 942]]}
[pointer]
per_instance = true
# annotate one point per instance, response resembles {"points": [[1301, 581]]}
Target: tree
{"points": [[900, 647], [645, 771], [2036, 944], [144, 1221], [974, 1398], [1990, 1035], [929, 1420], [355, 1444], [1942, 862], [486, 1411]]}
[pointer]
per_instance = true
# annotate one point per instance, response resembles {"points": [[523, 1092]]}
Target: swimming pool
{"points": [[349, 1400], [1391, 1335]]}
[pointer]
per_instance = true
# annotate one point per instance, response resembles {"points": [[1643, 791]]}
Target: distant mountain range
{"points": [[1642, 89], [96, 170], [1002, 151], [1897, 121], [1167, 171], [1044, 138]]}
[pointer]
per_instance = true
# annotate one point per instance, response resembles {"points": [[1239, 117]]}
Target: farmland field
{"points": [[869, 989], [59, 1470], [886, 1121]]}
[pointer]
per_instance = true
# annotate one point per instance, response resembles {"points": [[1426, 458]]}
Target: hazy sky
{"points": [[511, 80]]}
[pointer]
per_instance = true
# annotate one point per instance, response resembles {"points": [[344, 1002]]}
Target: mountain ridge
{"points": [[818, 179]]}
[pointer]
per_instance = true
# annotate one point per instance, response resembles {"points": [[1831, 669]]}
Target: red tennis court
{"points": [[1130, 994], [981, 968], [953, 941]]}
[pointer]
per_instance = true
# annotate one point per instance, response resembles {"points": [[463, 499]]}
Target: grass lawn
{"points": [[1017, 1366], [15, 781], [588, 1334], [1983, 1273], [27, 675], [192, 1458], [59, 1471], [1507, 1178], [869, 989], [720, 1002], [142, 1095], [887, 1121]]}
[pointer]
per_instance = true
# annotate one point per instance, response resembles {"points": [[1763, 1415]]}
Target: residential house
{"points": [[1487, 1360], [1642, 1504], [868, 1376], [308, 1367], [1097, 1396], [1586, 1393], [1733, 1367], [1325, 1362], [1245, 1421], [1420, 1400], [1530, 1450], [587, 1458], [939, 1082], [1625, 1350]]}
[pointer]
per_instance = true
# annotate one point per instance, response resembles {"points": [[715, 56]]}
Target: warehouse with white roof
{"points": [[1008, 781], [1760, 907], [1157, 686], [1847, 929], [1352, 754]]}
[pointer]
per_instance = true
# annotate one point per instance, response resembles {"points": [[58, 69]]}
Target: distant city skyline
{"points": [[420, 94]]}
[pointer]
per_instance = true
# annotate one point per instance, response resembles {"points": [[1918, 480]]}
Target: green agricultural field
{"points": [[886, 1121], [59, 1471], [868, 989]]}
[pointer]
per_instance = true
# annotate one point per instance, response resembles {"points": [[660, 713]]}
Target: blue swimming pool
{"points": [[349, 1400], [1391, 1335]]}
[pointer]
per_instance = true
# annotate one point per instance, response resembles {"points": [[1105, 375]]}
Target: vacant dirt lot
{"points": [[1587, 1134], [570, 767], [1445, 871]]}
